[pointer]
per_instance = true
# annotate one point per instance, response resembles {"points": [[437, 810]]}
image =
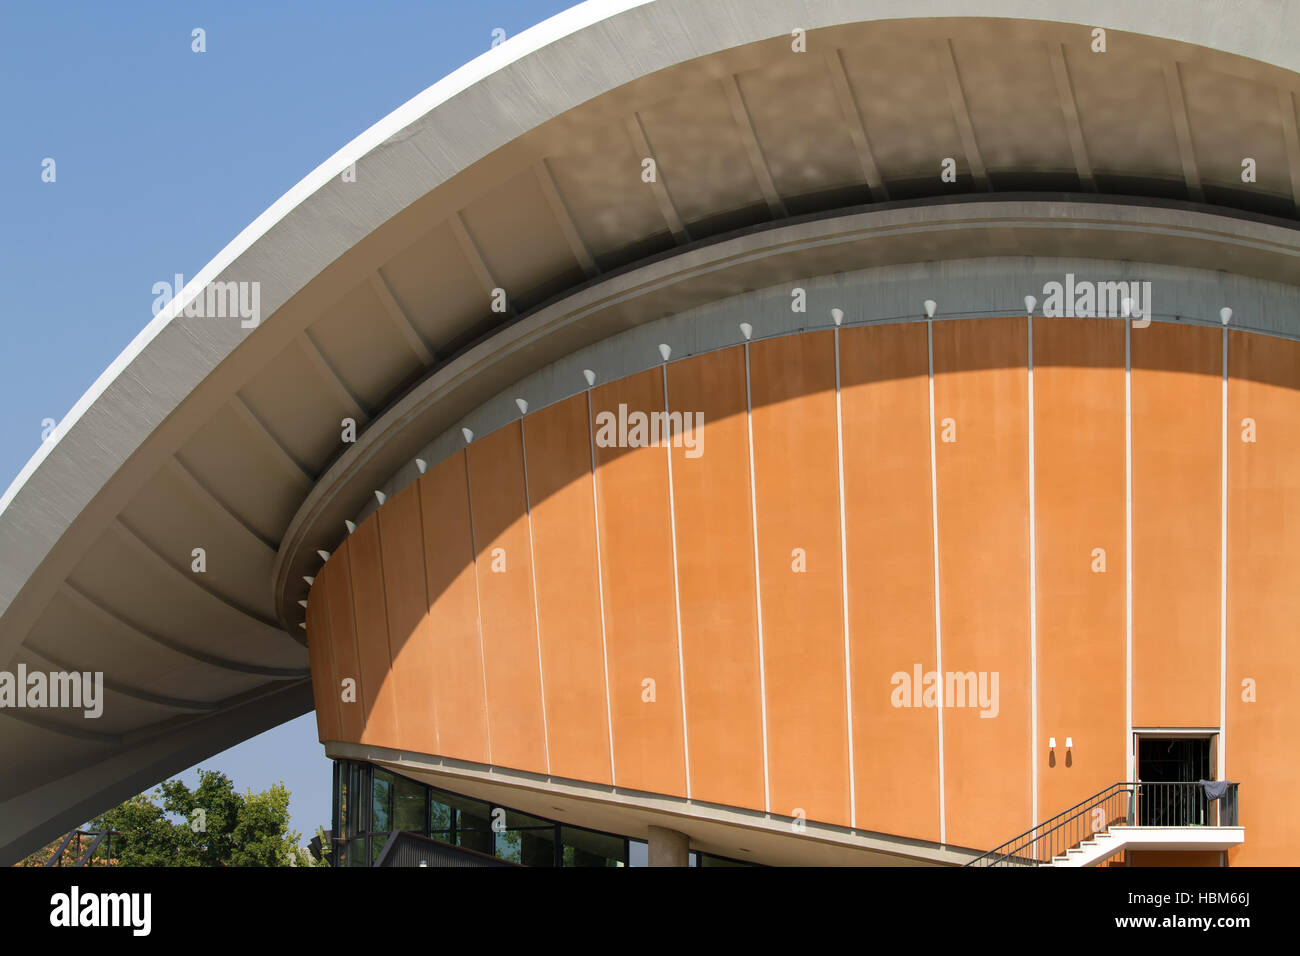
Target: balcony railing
{"points": [[1185, 804], [1204, 803]]}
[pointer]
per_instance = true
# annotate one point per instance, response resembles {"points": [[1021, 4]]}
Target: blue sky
{"points": [[162, 156]]}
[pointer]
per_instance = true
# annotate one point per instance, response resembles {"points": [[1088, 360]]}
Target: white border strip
{"points": [[537, 616], [758, 587], [1129, 755], [478, 607], [844, 570], [1223, 575], [938, 622], [677, 597], [600, 588], [1033, 592]]}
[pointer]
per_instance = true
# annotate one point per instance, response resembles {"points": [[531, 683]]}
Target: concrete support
{"points": [[668, 847]]}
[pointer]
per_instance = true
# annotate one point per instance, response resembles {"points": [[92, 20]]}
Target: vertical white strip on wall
{"points": [[537, 616], [938, 621], [419, 507], [1128, 552], [1033, 594], [356, 647], [1223, 575], [844, 571], [677, 597], [388, 634], [478, 606], [758, 587], [600, 587]]}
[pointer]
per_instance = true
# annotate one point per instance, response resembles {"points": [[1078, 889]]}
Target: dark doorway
{"points": [[1170, 770]]}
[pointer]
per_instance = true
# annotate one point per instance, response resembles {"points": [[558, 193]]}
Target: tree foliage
{"points": [[211, 825]]}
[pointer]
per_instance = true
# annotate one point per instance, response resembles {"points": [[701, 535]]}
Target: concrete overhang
{"points": [[521, 172]]}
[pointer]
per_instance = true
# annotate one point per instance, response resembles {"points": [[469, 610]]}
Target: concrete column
{"points": [[668, 847]]}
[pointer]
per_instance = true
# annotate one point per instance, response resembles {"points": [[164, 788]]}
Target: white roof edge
{"points": [[1256, 29], [513, 48]]}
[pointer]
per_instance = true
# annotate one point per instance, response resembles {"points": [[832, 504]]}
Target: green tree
{"points": [[211, 825]]}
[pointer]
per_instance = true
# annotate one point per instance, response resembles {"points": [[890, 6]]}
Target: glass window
{"points": [[518, 821], [357, 853], [408, 804], [589, 848], [344, 825], [381, 804], [638, 853], [480, 840], [533, 846], [371, 803], [473, 823], [440, 814]]}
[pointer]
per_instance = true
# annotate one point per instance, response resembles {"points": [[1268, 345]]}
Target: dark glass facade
{"points": [[371, 803]]}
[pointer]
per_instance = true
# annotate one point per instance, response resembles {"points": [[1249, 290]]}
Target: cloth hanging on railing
{"points": [[1215, 789]]}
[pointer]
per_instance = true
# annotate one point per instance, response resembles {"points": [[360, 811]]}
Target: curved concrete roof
{"points": [[522, 171]]}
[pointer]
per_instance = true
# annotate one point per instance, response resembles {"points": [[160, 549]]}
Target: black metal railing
{"points": [[1187, 804], [1049, 839]]}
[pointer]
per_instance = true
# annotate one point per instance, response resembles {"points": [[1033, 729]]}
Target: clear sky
{"points": [[162, 155]]}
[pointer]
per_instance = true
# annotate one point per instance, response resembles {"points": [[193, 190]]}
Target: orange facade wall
{"points": [[1079, 454], [563, 515], [410, 638], [503, 565], [980, 400], [335, 580], [325, 683], [885, 408], [792, 388], [636, 554], [1177, 423], [378, 694], [1263, 672], [512, 606], [713, 522], [457, 685]]}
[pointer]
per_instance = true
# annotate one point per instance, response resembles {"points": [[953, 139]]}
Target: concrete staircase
{"points": [[1100, 847], [1190, 821], [1104, 844]]}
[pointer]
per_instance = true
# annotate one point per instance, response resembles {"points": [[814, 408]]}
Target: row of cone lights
{"points": [[747, 330]]}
